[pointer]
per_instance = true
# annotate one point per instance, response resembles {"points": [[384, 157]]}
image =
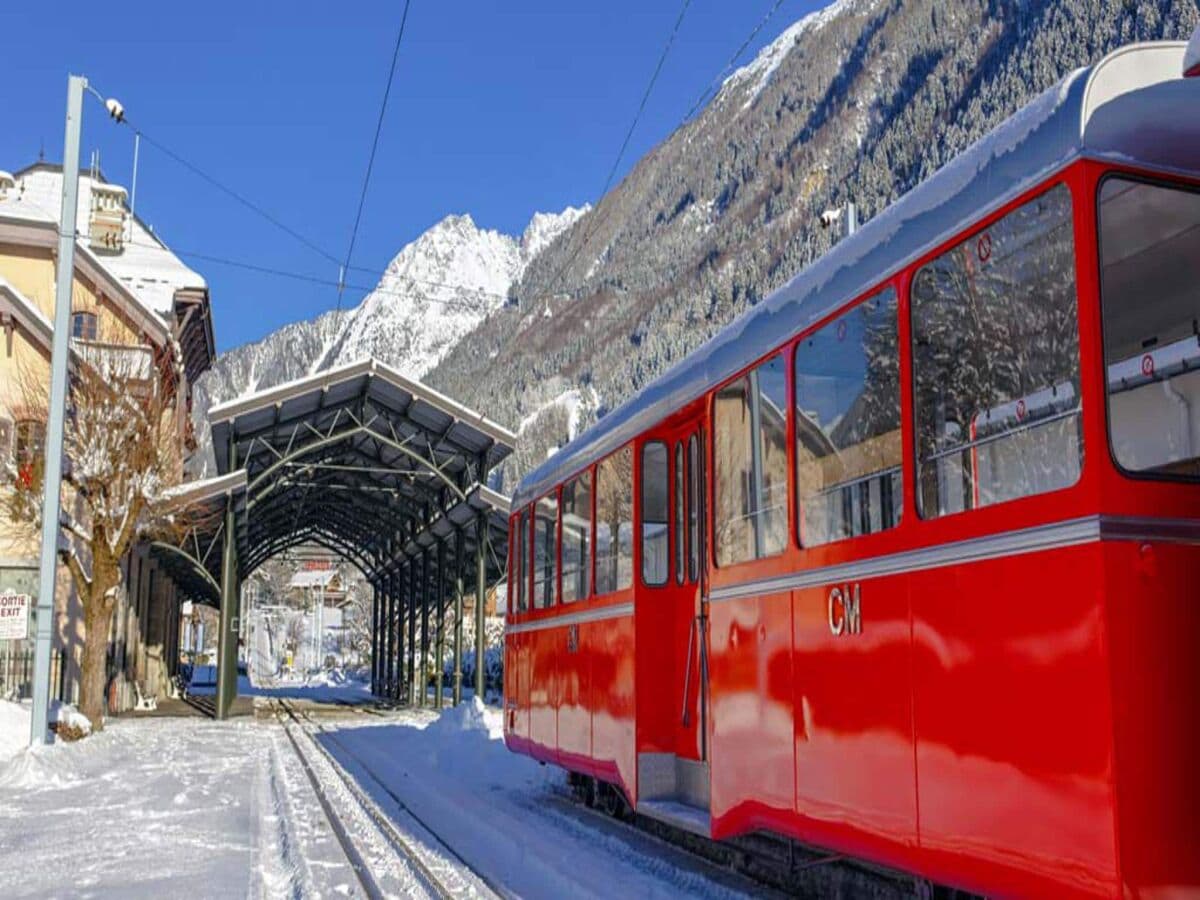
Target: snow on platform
{"points": [[508, 816], [165, 808], [194, 808]]}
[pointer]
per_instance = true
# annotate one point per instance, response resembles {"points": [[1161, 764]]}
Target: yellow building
{"points": [[131, 295]]}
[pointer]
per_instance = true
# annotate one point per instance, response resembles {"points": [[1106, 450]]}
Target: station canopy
{"points": [[359, 459]]}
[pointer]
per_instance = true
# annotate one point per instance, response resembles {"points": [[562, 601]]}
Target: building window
{"points": [[576, 538], [1150, 301], [750, 464], [848, 449], [996, 363], [656, 488], [545, 552], [30, 444], [614, 522], [83, 326]]}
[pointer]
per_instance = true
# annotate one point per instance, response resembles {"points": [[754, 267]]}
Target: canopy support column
{"points": [[439, 645], [375, 638], [399, 625], [227, 642], [423, 674], [459, 566], [389, 635], [412, 633], [481, 526]]}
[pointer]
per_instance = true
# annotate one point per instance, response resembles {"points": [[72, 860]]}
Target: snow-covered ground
{"points": [[508, 816], [330, 686], [165, 808], [156, 807]]}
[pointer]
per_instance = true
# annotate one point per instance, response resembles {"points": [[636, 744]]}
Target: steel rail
{"points": [[436, 884], [357, 863]]}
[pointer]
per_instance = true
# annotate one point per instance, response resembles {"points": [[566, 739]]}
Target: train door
{"points": [[670, 617]]}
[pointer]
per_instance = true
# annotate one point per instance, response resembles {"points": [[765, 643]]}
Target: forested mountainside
{"points": [[860, 101], [434, 291]]}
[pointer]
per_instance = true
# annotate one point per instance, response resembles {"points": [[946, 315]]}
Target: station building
{"points": [[131, 298]]}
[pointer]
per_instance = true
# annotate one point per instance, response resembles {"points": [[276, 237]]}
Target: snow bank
{"points": [[36, 768], [14, 729]]}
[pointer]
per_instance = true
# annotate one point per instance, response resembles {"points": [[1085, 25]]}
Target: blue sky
{"points": [[498, 109]]}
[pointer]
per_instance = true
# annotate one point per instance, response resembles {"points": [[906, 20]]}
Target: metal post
{"points": [[393, 626], [385, 618], [851, 218], [423, 672], [439, 652], [397, 627], [481, 536], [228, 637], [375, 638], [459, 564], [411, 608], [64, 278]]}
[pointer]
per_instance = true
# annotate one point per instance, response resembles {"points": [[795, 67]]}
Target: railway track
{"points": [[437, 867]]}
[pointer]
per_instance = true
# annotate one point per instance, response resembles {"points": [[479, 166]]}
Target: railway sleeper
{"points": [[770, 859]]}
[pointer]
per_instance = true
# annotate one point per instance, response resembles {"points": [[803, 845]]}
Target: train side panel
{"points": [[853, 698], [1153, 605], [1013, 724], [750, 689]]}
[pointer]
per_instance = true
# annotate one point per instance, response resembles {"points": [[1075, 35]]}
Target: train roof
{"points": [[1132, 106]]}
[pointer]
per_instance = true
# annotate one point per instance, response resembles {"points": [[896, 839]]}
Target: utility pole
{"points": [[64, 276]]}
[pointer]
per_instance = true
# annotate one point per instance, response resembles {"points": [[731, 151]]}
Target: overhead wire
{"points": [[362, 200], [346, 264], [662, 58], [452, 303]]}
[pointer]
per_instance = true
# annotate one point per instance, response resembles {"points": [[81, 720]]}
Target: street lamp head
{"points": [[115, 109]]}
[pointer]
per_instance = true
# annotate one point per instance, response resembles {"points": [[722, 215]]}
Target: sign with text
{"points": [[14, 616]]}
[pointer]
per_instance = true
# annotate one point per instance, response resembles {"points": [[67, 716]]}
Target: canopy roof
{"points": [[370, 464]]}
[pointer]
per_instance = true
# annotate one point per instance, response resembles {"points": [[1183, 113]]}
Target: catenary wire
{"points": [[362, 200], [662, 58]]}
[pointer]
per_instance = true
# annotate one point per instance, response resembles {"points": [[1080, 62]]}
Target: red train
{"points": [[905, 562]]}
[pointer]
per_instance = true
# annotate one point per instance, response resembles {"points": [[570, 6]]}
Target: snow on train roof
{"points": [[1132, 105]]}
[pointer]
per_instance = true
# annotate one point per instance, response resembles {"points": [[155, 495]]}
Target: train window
{"points": [[545, 552], [614, 522], [996, 363], [848, 450], [656, 489], [750, 453], [577, 538], [695, 492], [1150, 302], [680, 539], [522, 560]]}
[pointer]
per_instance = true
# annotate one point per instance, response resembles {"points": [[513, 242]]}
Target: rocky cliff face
{"points": [[860, 101], [435, 291]]}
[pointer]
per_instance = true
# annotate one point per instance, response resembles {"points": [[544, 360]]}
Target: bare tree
{"points": [[122, 457]]}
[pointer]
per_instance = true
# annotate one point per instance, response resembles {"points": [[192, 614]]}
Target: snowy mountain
{"points": [[437, 289], [861, 100]]}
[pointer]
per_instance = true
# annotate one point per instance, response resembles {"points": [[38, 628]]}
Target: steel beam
{"points": [[439, 653], [481, 525], [375, 638], [398, 652], [423, 673], [227, 674], [460, 563], [412, 633]]}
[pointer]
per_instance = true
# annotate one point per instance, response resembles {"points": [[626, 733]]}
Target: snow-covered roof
{"points": [[145, 266], [1132, 106], [312, 578]]}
